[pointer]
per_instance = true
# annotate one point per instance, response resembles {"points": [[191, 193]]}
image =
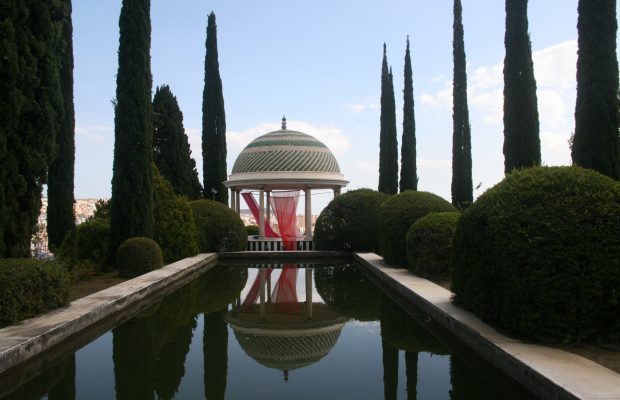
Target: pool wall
{"points": [[547, 372], [31, 337]]}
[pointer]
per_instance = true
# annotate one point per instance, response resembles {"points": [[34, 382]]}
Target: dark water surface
{"points": [[324, 332]]}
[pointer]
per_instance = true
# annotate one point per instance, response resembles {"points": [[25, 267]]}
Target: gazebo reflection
{"points": [[279, 331]]}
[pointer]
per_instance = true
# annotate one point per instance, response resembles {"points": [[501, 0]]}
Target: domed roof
{"points": [[286, 150], [286, 156]]}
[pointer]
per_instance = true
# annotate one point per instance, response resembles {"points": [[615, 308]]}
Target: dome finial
{"points": [[283, 122]]}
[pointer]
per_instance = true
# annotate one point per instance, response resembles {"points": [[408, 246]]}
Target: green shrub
{"points": [[539, 254], [252, 230], [85, 249], [30, 287], [396, 216], [175, 230], [137, 256], [219, 227], [350, 222], [429, 245]]}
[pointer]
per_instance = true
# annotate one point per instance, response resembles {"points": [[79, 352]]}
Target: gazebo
{"points": [[278, 165]]}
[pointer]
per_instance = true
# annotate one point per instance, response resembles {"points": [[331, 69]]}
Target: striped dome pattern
{"points": [[285, 151]]}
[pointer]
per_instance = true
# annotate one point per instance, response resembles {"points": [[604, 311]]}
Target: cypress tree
{"points": [[213, 122], [29, 111], [408, 172], [596, 143], [171, 150], [388, 146], [521, 130], [462, 187], [60, 214], [132, 179]]}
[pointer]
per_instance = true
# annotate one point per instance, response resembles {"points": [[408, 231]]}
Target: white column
{"points": [[261, 214], [268, 212], [308, 191], [336, 191], [261, 275], [238, 200], [232, 199], [309, 292]]}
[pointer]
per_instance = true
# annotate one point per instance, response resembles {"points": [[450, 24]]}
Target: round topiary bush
{"points": [[539, 254], [350, 222], [396, 216], [219, 227], [252, 230], [429, 245], [137, 256]]}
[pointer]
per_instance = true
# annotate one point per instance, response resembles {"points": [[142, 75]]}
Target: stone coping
{"points": [[547, 372], [31, 337]]}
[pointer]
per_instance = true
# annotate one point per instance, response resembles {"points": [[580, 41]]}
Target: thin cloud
{"points": [[95, 133], [360, 107]]}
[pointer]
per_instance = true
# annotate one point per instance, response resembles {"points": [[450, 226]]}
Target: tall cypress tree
{"points": [[171, 150], [29, 115], [462, 187], [596, 143], [60, 214], [521, 130], [132, 179], [408, 171], [388, 145], [213, 122]]}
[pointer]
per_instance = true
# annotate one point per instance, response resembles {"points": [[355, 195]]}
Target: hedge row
{"points": [[30, 287]]}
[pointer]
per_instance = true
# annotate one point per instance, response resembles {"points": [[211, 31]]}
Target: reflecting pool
{"points": [[289, 332]]}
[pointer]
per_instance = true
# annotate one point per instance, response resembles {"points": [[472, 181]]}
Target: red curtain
{"points": [[284, 294], [251, 202], [284, 206]]}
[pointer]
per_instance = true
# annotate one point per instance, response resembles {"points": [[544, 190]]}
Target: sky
{"points": [[319, 63]]}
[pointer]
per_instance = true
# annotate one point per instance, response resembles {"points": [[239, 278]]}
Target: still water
{"points": [[237, 332]]}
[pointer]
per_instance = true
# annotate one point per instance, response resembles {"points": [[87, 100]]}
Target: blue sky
{"points": [[319, 63]]}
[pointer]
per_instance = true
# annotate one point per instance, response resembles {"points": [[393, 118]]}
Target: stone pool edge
{"points": [[32, 337], [547, 372]]}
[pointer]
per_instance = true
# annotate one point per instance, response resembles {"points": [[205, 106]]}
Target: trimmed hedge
{"points": [[137, 256], [86, 248], [396, 216], [30, 287], [539, 254], [219, 227], [350, 222], [429, 245], [174, 230]]}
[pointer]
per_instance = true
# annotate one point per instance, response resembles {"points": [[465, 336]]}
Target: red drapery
{"points": [[251, 202], [284, 205], [284, 294]]}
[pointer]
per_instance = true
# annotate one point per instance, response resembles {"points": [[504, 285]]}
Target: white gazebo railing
{"points": [[255, 243]]}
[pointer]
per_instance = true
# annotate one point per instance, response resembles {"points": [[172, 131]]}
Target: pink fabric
{"points": [[285, 292], [251, 202], [254, 292], [284, 206]]}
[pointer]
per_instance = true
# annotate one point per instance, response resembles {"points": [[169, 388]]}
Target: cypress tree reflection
{"points": [[215, 353], [390, 370]]}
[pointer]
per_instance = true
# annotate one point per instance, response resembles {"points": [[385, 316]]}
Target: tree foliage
{"points": [[132, 180], [408, 167], [388, 145], [462, 186], [30, 109], [213, 122], [521, 130], [596, 143], [171, 150], [60, 214]]}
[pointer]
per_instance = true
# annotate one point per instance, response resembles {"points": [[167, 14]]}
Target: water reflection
{"points": [[289, 320], [279, 331]]}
